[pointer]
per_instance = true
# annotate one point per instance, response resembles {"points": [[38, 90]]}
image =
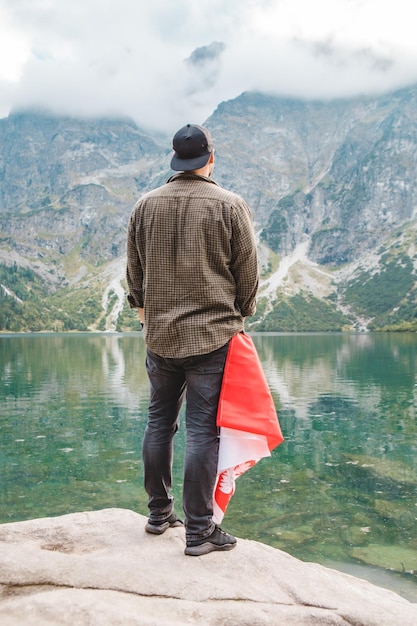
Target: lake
{"points": [[340, 491]]}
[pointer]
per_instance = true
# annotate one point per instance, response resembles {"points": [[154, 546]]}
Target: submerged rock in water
{"points": [[388, 557], [397, 471], [101, 568]]}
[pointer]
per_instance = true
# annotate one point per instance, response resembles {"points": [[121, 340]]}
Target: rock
{"points": [[393, 558], [101, 568]]}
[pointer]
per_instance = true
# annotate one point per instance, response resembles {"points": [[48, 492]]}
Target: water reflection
{"points": [[341, 489], [71, 423]]}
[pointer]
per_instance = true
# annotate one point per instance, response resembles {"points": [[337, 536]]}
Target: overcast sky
{"points": [[169, 62]]}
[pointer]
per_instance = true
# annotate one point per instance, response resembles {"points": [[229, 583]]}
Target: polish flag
{"points": [[248, 421]]}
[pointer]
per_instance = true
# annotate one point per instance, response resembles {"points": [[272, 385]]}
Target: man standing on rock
{"points": [[192, 273]]}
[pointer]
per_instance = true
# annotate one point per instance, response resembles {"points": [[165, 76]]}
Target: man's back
{"points": [[196, 249]]}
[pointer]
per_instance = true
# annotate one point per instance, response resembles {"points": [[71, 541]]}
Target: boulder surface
{"points": [[100, 568]]}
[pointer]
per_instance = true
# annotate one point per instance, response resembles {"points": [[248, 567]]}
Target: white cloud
{"points": [[14, 51], [130, 57]]}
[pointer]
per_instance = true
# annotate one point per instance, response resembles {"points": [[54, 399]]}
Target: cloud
{"points": [[166, 64]]}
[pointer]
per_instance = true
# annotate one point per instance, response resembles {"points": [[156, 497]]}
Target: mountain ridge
{"points": [[330, 184]]}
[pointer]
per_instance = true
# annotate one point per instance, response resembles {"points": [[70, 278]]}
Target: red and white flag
{"points": [[248, 421]]}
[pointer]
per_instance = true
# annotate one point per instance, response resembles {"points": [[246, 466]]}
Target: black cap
{"points": [[192, 148]]}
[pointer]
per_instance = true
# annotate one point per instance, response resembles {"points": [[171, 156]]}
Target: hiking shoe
{"points": [[157, 528], [218, 540]]}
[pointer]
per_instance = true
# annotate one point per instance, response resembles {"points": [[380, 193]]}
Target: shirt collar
{"points": [[190, 176]]}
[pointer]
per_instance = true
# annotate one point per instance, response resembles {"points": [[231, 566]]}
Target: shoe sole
{"points": [[159, 529], [155, 529], [206, 548]]}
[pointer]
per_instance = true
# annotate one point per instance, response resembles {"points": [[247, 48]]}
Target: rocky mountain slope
{"points": [[331, 186]]}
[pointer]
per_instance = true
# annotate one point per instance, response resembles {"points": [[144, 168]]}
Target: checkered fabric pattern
{"points": [[192, 265]]}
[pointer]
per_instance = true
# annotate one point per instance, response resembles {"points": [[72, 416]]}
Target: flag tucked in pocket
{"points": [[248, 421]]}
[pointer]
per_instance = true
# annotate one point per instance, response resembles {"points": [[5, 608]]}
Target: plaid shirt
{"points": [[192, 265]]}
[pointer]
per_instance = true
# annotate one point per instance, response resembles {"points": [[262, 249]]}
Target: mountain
{"points": [[331, 186]]}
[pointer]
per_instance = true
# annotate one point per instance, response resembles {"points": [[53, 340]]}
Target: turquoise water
{"points": [[341, 490]]}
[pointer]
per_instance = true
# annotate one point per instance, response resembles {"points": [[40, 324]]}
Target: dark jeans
{"points": [[198, 379]]}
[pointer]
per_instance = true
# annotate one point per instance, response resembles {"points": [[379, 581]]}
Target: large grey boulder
{"points": [[101, 568]]}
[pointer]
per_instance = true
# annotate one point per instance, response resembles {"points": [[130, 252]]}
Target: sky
{"points": [[166, 63]]}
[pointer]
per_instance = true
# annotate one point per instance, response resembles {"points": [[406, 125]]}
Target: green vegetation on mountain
{"points": [[388, 295], [128, 319], [26, 304], [301, 313], [275, 230]]}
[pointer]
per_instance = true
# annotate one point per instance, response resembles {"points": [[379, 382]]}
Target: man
{"points": [[192, 273]]}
